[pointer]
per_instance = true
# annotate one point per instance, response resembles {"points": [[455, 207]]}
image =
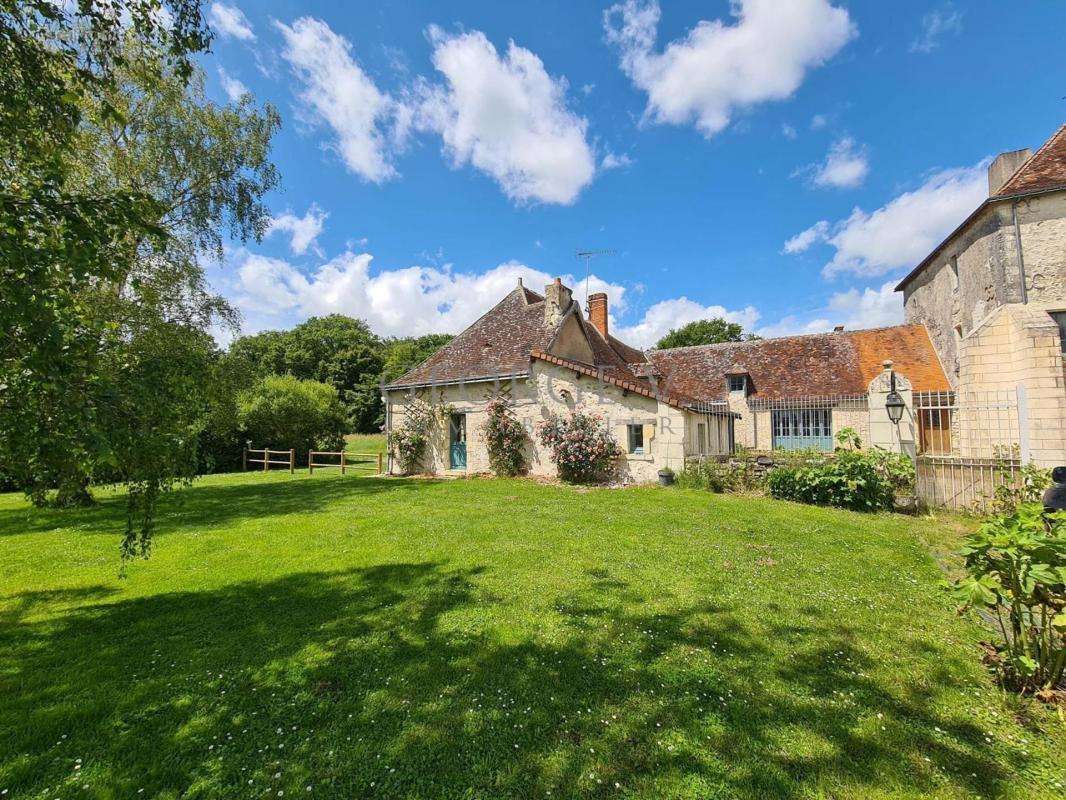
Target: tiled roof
{"points": [[819, 365], [635, 385], [496, 345], [1043, 170], [501, 342]]}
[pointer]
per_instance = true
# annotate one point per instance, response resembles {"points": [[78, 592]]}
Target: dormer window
{"points": [[738, 383]]}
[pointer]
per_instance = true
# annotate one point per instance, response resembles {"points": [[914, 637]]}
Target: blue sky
{"points": [[779, 163]]}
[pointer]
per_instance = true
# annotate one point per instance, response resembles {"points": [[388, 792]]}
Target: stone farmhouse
{"points": [[662, 406], [978, 364]]}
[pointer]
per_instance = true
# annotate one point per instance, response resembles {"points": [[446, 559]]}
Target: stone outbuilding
{"points": [[993, 297]]}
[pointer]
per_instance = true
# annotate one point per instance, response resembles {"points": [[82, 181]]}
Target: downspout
{"points": [[1018, 247]]}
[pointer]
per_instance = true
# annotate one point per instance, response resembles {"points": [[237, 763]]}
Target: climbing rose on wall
{"points": [[408, 441], [504, 437], [581, 446]]}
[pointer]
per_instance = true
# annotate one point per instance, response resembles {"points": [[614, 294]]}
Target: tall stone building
{"points": [[993, 295]]}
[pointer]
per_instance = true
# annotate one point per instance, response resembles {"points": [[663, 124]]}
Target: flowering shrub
{"points": [[408, 441], [581, 446], [1016, 572], [505, 438]]}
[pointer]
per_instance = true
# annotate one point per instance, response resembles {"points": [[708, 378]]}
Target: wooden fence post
{"points": [[244, 460], [379, 464], [292, 461], [310, 462], [343, 462], [266, 459]]}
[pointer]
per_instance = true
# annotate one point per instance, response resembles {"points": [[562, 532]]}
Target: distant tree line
{"points": [[342, 352]]}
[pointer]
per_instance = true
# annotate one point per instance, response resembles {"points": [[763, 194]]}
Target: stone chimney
{"points": [[1005, 165], [598, 312], [557, 299]]}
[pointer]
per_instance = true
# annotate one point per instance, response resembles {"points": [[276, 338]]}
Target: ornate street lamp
{"points": [[894, 404]]}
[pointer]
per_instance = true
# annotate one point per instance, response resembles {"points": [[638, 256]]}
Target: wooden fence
{"points": [[265, 460], [345, 461]]}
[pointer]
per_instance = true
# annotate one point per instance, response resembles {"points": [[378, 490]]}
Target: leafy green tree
{"points": [[334, 349], [704, 331], [128, 176], [58, 237], [405, 354], [283, 412]]}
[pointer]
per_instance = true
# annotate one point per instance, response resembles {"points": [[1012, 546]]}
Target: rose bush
{"points": [[581, 445], [505, 438]]}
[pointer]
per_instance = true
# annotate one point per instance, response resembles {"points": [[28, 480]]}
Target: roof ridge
{"points": [[1032, 156], [754, 342]]}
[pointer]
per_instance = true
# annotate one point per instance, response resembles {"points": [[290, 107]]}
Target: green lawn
{"points": [[350, 637]]}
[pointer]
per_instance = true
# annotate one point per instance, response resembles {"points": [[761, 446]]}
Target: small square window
{"points": [[737, 383], [636, 439]]}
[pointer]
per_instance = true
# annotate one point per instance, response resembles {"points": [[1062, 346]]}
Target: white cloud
{"points": [[304, 231], [614, 161], [409, 301], [717, 68], [507, 117], [802, 241], [367, 122], [935, 25], [233, 88], [788, 131], [873, 307], [819, 121], [845, 166], [230, 22], [793, 325], [901, 232], [666, 315]]}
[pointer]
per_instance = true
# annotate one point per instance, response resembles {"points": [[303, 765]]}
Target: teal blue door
{"points": [[457, 441], [803, 429]]}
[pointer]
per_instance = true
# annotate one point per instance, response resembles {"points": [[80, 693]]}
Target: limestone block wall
{"points": [[989, 272], [669, 433], [1020, 345]]}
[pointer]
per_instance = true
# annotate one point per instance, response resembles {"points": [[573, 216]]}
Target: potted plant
{"points": [[666, 477]]}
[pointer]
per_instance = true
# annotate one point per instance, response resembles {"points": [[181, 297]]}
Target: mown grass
{"points": [[344, 637]]}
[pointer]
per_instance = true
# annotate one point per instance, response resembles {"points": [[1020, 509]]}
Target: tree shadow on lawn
{"points": [[375, 683], [207, 504]]}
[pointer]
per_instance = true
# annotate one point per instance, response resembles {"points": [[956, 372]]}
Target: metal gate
{"points": [[969, 444]]}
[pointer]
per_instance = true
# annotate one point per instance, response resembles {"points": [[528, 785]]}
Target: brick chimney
{"points": [[1005, 165], [598, 312], [557, 299]]}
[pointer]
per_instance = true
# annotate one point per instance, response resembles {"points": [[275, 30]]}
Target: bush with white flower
{"points": [[581, 445]]}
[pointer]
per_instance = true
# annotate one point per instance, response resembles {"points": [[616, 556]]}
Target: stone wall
{"points": [[988, 272], [668, 432], [1019, 345]]}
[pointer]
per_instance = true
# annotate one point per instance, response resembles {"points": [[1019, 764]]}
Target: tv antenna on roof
{"points": [[588, 255]]}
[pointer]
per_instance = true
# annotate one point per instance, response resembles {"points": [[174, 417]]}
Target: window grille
{"points": [[802, 428]]}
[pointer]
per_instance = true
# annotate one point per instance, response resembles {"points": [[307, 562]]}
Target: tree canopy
{"points": [[342, 352], [118, 176], [704, 331]]}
